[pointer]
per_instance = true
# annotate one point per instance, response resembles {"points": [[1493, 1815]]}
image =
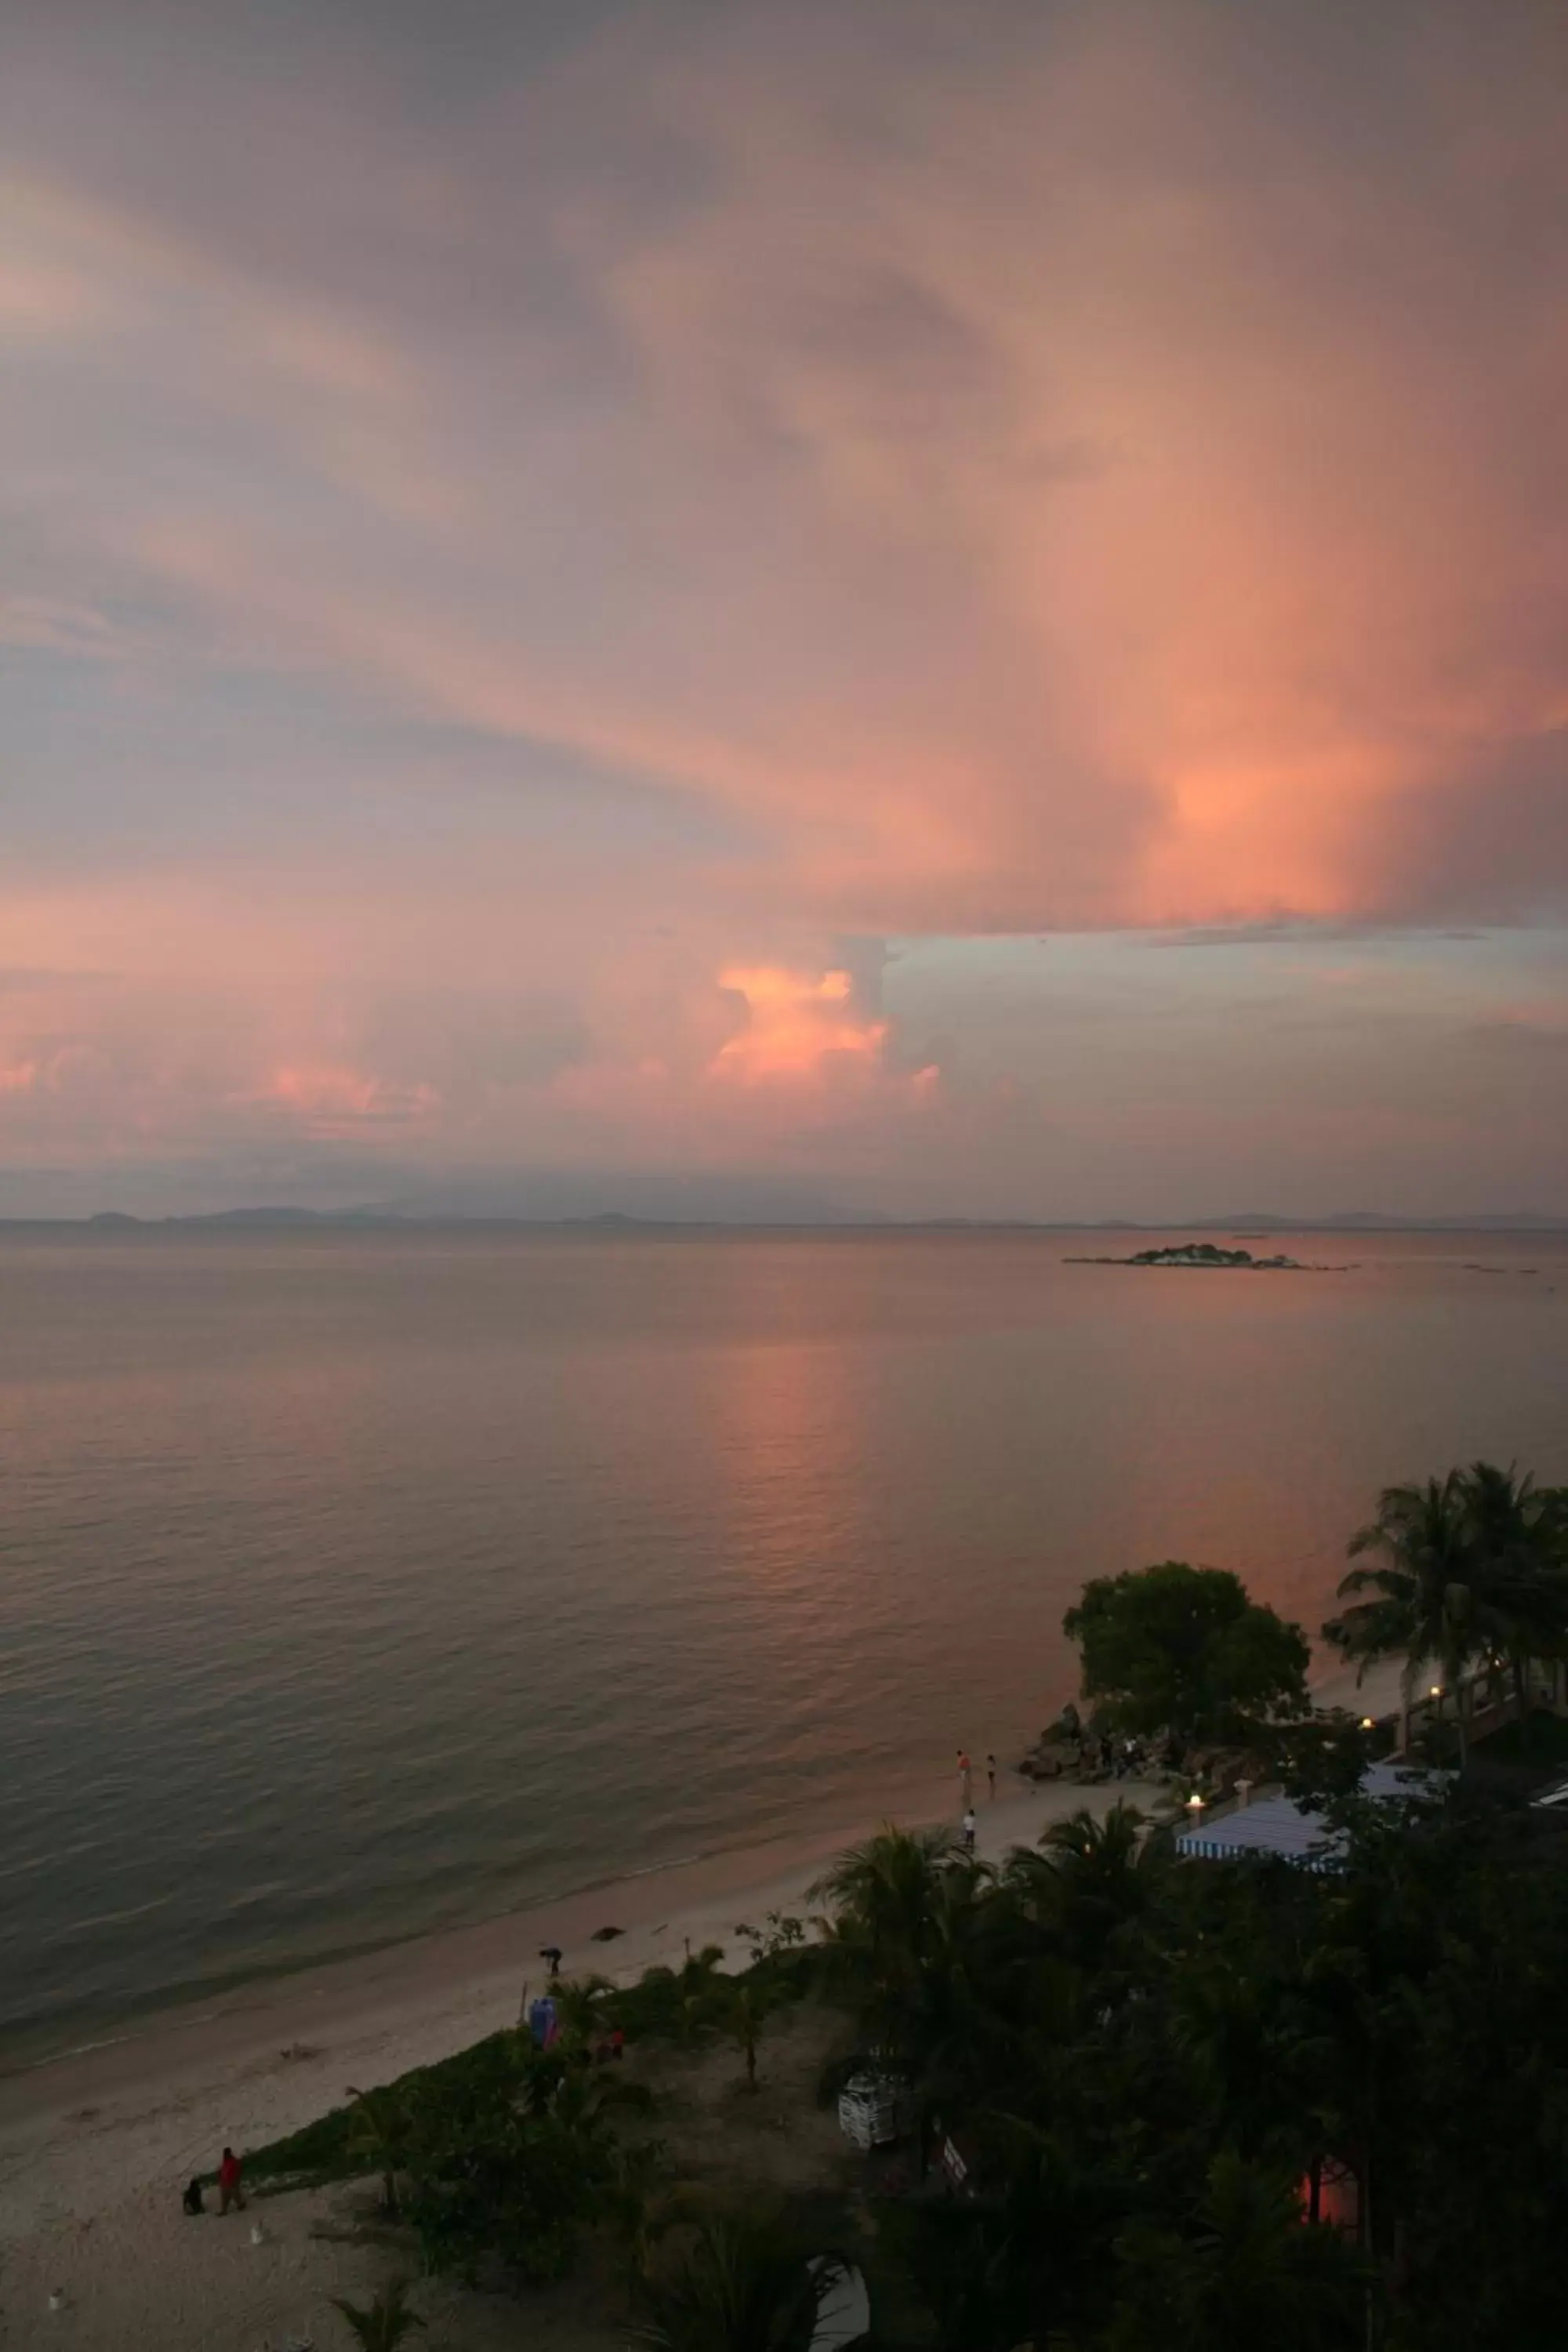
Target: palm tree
{"points": [[382, 2133], [580, 2008], [1105, 1853], [739, 2289], [1422, 1601], [692, 1994], [1518, 1572], [743, 2006], [1092, 1878], [383, 2326], [886, 1894]]}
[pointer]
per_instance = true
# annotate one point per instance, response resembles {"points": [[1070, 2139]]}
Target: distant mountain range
{"points": [[1257, 1221]]}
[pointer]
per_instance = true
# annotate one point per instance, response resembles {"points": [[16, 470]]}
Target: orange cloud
{"points": [[1128, 495], [337, 1101], [794, 1023], [1162, 524]]}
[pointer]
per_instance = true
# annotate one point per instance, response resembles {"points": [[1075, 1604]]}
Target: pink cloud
{"points": [[747, 490], [794, 1022], [1134, 531]]}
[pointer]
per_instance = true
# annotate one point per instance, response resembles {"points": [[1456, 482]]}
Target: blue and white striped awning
{"points": [[1275, 1825]]}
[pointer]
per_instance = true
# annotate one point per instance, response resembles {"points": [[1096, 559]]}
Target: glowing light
{"points": [[794, 1023]]}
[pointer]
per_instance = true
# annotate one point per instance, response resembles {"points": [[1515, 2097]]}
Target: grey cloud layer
{"points": [[510, 513]]}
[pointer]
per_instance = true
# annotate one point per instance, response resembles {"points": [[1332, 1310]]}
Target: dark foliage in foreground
{"points": [[741, 2285], [1149, 2062]]}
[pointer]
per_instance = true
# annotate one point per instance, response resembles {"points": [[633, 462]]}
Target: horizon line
{"points": [[872, 1220]]}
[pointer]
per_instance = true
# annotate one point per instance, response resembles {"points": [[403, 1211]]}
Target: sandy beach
{"points": [[95, 2147]]}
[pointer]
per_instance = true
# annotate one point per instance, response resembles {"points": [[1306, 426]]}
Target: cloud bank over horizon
{"points": [[968, 613]]}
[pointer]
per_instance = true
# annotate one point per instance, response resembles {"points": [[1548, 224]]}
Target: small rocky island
{"points": [[1201, 1254]]}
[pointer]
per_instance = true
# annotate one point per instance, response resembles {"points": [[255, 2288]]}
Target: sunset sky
{"points": [[788, 609]]}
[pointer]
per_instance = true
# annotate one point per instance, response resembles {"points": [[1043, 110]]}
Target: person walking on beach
{"points": [[991, 1773], [970, 1826], [229, 2191], [553, 1954], [965, 1778]]}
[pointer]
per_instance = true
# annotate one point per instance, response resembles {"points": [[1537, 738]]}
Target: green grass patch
{"points": [[321, 2152]]}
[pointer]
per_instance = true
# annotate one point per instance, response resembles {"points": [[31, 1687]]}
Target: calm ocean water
{"points": [[357, 1583]]}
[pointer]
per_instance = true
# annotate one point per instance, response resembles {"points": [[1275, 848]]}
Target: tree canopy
{"points": [[1186, 1650], [1215, 2106]]}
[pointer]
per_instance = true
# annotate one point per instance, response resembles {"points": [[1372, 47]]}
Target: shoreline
{"points": [[96, 2144], [33, 2047], [500, 1943], [82, 2132], [113, 2129]]}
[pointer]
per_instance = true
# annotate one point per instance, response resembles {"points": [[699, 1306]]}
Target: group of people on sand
{"points": [[970, 1825], [1104, 1755]]}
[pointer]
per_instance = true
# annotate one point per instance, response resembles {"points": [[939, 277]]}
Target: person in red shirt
{"points": [[229, 2191]]}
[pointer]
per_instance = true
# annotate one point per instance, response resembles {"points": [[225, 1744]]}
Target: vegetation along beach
{"points": [[1130, 2095]]}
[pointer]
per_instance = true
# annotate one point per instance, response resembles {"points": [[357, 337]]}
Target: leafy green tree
{"points": [[1321, 1760], [782, 1935], [512, 2150], [1185, 1650], [384, 2323]]}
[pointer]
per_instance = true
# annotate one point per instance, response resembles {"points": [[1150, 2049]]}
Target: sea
{"points": [[357, 1583]]}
